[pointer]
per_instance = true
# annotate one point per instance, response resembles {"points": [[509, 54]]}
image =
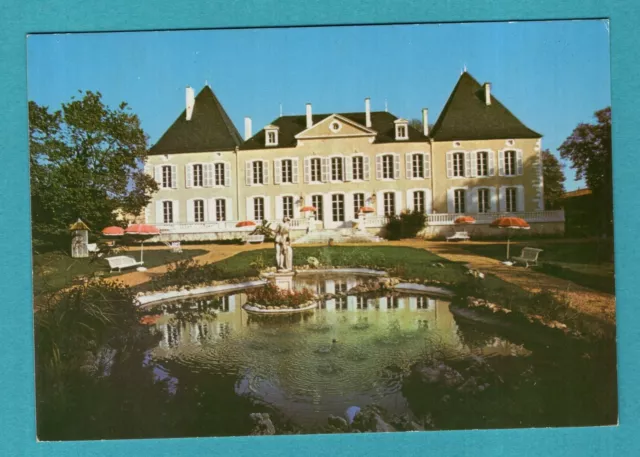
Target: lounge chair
{"points": [[122, 261], [255, 239], [174, 246], [459, 236], [528, 256]]}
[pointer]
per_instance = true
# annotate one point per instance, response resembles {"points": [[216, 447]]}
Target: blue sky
{"points": [[552, 75]]}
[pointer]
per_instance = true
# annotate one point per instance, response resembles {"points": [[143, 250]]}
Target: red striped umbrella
{"points": [[308, 209], [142, 231], [510, 223], [113, 231], [245, 224], [367, 209], [462, 220]]}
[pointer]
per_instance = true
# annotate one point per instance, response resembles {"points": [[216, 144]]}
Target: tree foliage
{"points": [[589, 149], [86, 162], [553, 178]]}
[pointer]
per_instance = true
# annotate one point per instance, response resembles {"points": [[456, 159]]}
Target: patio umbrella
{"points": [[113, 231], [367, 209], [510, 223], [245, 224], [464, 220], [142, 232], [308, 209]]}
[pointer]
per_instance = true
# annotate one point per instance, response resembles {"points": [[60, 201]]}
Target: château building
{"points": [[478, 159]]}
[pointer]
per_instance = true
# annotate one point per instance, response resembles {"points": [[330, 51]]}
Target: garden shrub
{"points": [[272, 295], [406, 225]]}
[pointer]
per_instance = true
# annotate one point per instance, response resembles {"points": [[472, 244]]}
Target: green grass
{"points": [[55, 270]]}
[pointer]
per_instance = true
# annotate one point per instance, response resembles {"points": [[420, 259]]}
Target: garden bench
{"points": [[255, 239], [122, 261], [174, 246], [462, 236], [529, 256]]}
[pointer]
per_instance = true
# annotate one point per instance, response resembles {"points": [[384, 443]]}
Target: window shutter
{"points": [[491, 163], [493, 200], [265, 172], [396, 166], [366, 166], [159, 212], [227, 174], [428, 201], [190, 210], [379, 166], [451, 207], [519, 162], [449, 165], [410, 200], [211, 210], [380, 203], [408, 163], [158, 174], [398, 200], [472, 204], [467, 164], [277, 171], [188, 171], [294, 171], [348, 169], [278, 208], [325, 168], [520, 198], [307, 170], [473, 169], [248, 173], [207, 170], [176, 211], [500, 163], [427, 165], [501, 199], [267, 208], [174, 176], [229, 208], [348, 207]]}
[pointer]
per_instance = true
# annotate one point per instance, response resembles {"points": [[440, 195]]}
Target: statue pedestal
{"points": [[282, 279]]}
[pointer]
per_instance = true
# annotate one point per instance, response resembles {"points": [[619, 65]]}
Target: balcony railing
{"points": [[487, 218]]}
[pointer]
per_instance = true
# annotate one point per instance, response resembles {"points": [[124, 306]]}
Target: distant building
{"points": [[478, 159]]}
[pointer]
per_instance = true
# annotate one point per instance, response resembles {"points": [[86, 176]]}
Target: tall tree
{"points": [[589, 149], [86, 161], [553, 178]]}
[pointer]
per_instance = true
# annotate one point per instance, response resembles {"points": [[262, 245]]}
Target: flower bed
{"points": [[270, 299]]}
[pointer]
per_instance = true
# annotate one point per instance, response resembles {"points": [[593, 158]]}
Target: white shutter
{"points": [[190, 210], [398, 201], [502, 199], [249, 209], [379, 167], [428, 201], [277, 171], [325, 168], [328, 210], [492, 165], [427, 164], [396, 166], [211, 210], [267, 208], [380, 203], [410, 200], [449, 165], [294, 171], [520, 198], [473, 168], [366, 166], [265, 172], [408, 163], [348, 208], [188, 171], [159, 212], [494, 200], [500, 163], [176, 211], [348, 169], [227, 174], [467, 164], [472, 204], [278, 207], [307, 170], [174, 176], [451, 207], [158, 174], [207, 171], [519, 162], [229, 208]]}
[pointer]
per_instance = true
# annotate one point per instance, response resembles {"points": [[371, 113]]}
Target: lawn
{"points": [[585, 262], [55, 270]]}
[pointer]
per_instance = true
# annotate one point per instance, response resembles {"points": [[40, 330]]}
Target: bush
{"points": [[266, 230], [272, 295], [406, 225]]}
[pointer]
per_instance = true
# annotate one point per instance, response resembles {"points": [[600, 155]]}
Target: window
{"points": [[418, 201], [287, 207], [198, 210], [258, 208], [401, 131], [422, 302], [316, 202], [173, 335], [387, 166], [358, 167], [316, 170], [510, 198], [167, 212], [221, 209], [358, 202], [271, 136], [225, 301], [458, 164], [340, 287], [258, 172], [335, 126], [389, 199], [219, 174], [337, 207], [337, 169], [510, 163], [484, 202], [393, 302], [287, 171], [361, 302], [459, 201], [417, 163], [167, 176], [198, 177], [341, 303], [482, 163]]}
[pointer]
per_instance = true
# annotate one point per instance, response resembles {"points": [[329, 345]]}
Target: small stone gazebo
{"points": [[79, 239]]}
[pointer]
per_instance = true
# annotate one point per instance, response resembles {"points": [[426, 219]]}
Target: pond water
{"points": [[351, 351]]}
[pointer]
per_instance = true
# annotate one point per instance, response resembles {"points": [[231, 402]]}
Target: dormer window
{"points": [[271, 135], [402, 129]]}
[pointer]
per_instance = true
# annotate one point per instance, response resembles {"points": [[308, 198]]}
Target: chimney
{"points": [[425, 121], [487, 93], [309, 118], [191, 101], [247, 128], [367, 109]]}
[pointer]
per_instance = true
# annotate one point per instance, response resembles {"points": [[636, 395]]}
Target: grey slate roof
{"points": [[209, 129], [290, 126], [466, 116]]}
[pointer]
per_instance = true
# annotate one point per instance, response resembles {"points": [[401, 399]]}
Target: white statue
{"points": [[283, 246], [287, 255]]}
